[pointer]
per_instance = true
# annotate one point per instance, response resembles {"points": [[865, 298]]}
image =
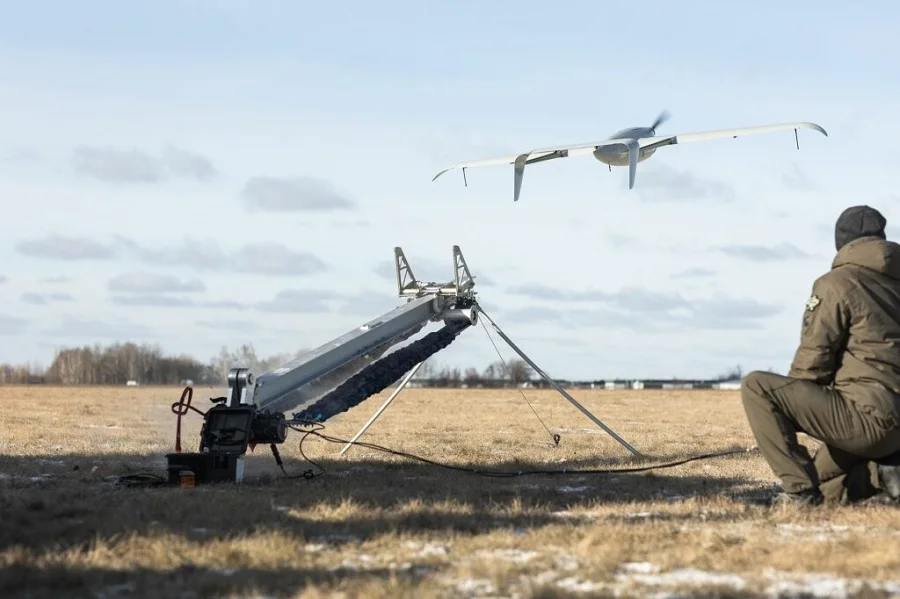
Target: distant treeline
{"points": [[145, 364], [120, 363]]}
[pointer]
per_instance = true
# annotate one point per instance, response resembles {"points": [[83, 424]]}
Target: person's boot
{"points": [[808, 498], [881, 498], [889, 479]]}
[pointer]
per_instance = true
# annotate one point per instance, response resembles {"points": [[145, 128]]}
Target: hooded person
{"points": [[843, 387]]}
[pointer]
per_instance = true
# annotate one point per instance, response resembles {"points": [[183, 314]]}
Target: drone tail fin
{"points": [[518, 174], [634, 151]]}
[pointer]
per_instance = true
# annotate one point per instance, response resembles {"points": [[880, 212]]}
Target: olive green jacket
{"points": [[850, 336]]}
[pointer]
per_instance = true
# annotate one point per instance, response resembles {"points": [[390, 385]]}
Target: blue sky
{"points": [[137, 140]]}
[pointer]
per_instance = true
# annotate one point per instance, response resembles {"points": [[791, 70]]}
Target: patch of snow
{"points": [[686, 576], [361, 561], [823, 532], [544, 577], [638, 515], [565, 561], [568, 489], [577, 585], [427, 549], [572, 517], [512, 555], [476, 586], [639, 568], [822, 585], [782, 583], [408, 567], [225, 571], [50, 462]]}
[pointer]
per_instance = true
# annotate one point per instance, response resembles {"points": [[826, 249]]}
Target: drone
{"points": [[627, 147]]}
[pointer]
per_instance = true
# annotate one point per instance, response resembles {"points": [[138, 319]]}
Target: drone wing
{"points": [[542, 154], [681, 138]]}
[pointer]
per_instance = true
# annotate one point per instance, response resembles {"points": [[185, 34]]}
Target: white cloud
{"points": [[261, 258], [65, 247], [132, 165], [762, 253], [149, 282], [32, 297], [293, 194], [662, 183]]}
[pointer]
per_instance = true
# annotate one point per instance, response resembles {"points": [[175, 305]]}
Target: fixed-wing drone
{"points": [[624, 148]]}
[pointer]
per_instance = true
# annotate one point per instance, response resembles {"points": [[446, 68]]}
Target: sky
{"points": [[205, 174]]}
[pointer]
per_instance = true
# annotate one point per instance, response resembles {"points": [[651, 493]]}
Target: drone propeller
{"points": [[662, 118]]}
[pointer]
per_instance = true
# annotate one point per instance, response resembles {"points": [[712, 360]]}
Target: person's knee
{"points": [[753, 383], [756, 386]]}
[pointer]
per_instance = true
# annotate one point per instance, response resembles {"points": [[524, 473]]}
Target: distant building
{"points": [[734, 384]]}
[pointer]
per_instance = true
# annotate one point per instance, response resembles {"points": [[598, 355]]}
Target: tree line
{"points": [[146, 364], [497, 374], [119, 363]]}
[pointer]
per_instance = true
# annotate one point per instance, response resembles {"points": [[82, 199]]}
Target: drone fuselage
{"points": [[618, 155]]}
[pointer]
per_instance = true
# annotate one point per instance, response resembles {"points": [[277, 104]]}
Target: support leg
{"points": [[561, 391], [383, 407]]}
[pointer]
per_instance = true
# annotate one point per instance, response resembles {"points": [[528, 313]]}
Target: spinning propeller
{"points": [[662, 118]]}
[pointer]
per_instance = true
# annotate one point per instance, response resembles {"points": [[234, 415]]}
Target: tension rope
{"points": [[555, 437]]}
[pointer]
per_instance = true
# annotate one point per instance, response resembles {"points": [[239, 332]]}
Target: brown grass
{"points": [[381, 526]]}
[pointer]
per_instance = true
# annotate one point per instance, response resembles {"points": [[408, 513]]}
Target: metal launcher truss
{"points": [[342, 373]]}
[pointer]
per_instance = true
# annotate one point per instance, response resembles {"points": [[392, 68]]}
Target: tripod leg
{"points": [[383, 407], [561, 391]]}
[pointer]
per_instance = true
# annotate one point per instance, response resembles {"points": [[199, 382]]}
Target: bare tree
{"points": [[734, 374], [472, 377], [519, 372]]}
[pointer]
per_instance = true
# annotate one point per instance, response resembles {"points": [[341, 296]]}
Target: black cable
{"points": [[308, 473], [499, 474]]}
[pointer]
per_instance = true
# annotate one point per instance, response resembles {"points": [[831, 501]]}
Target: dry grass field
{"points": [[377, 525]]}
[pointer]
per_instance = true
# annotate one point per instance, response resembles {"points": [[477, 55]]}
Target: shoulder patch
{"points": [[812, 302]]}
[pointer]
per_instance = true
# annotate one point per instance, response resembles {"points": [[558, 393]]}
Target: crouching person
{"points": [[843, 387]]}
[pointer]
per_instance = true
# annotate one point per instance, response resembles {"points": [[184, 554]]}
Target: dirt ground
{"points": [[378, 525]]}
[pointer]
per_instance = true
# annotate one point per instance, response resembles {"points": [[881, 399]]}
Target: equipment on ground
{"points": [[337, 376], [627, 147]]}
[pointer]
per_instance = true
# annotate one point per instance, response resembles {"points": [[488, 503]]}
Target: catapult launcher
{"points": [[337, 376]]}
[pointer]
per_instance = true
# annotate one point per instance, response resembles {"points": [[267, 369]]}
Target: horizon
{"points": [[432, 368], [199, 177]]}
